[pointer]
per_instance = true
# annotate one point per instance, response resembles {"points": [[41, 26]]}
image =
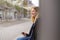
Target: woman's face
{"points": [[33, 12]]}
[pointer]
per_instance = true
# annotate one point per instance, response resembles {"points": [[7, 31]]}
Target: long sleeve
{"points": [[31, 31]]}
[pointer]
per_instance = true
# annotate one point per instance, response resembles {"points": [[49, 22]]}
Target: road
{"points": [[11, 32]]}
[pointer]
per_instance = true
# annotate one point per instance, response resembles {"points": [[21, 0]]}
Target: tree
{"points": [[25, 3], [17, 8], [8, 4], [5, 3], [25, 12]]}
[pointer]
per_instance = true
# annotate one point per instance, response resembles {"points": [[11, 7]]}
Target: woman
{"points": [[34, 17]]}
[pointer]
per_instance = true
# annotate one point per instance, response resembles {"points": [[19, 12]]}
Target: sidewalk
{"points": [[14, 31], [13, 22]]}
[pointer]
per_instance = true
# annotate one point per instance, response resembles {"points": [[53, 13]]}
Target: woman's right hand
{"points": [[24, 33]]}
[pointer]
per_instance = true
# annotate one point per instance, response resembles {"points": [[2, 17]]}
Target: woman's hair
{"points": [[35, 8]]}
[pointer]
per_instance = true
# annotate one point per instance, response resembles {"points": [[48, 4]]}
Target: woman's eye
{"points": [[33, 11]]}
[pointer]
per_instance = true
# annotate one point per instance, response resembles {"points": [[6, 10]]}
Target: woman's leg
{"points": [[23, 38]]}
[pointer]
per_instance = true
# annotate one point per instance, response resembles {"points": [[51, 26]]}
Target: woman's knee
{"points": [[22, 38], [19, 38]]}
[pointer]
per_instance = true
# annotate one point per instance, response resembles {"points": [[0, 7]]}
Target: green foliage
{"points": [[1, 2], [8, 4], [17, 8], [25, 3], [5, 3], [25, 12]]}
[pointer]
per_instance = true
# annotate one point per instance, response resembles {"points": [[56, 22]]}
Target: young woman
{"points": [[34, 17]]}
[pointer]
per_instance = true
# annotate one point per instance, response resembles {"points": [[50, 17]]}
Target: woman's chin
{"points": [[33, 15]]}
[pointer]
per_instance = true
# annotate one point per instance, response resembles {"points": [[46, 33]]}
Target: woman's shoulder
{"points": [[37, 20]]}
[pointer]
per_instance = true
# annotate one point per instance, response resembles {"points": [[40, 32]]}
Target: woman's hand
{"points": [[24, 33]]}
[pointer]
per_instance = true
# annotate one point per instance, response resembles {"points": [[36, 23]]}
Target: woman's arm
{"points": [[25, 34]]}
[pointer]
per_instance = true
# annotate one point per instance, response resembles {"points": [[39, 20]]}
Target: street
{"points": [[11, 32]]}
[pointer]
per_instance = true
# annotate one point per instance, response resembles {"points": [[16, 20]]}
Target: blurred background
{"points": [[15, 18], [11, 10]]}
